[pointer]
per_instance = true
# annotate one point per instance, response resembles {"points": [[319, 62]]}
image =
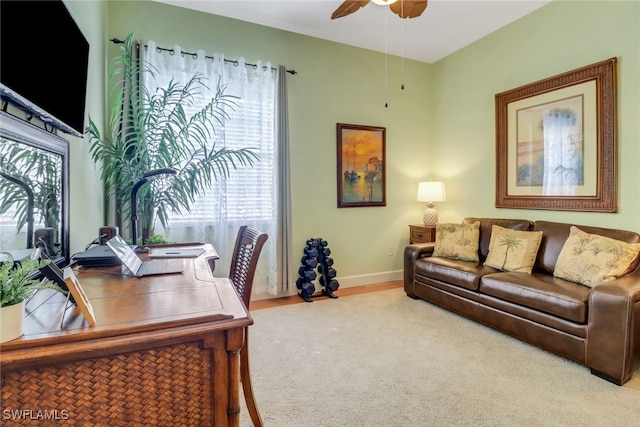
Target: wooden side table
{"points": [[419, 233]]}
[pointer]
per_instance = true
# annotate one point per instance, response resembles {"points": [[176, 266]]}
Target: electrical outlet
{"points": [[391, 252]]}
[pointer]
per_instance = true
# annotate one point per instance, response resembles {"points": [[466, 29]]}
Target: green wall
{"points": [[335, 83], [556, 38], [441, 126], [86, 203]]}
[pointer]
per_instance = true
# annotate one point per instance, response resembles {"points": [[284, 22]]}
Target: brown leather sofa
{"points": [[598, 327]]}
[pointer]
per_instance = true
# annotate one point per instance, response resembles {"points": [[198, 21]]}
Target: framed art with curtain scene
{"points": [[361, 166], [556, 142]]}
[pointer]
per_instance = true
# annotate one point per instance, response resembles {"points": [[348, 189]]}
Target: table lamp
{"points": [[148, 176], [431, 191]]}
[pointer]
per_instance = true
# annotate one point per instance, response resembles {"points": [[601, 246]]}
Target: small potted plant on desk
{"points": [[18, 283]]}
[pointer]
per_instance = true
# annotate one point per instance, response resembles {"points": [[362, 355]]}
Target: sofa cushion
{"points": [[465, 274], [486, 225], [457, 241], [590, 259], [555, 234], [513, 250], [539, 291]]}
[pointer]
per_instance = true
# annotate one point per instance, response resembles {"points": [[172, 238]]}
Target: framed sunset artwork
{"points": [[361, 168]]}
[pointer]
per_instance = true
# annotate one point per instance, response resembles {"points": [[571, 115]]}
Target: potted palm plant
{"points": [[18, 283], [150, 129]]}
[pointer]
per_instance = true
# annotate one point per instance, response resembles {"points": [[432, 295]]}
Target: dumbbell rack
{"points": [[316, 254]]}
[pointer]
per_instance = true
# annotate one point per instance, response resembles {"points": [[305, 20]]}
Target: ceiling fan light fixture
{"points": [[404, 8]]}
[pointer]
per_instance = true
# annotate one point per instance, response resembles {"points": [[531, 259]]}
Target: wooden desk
{"points": [[164, 351]]}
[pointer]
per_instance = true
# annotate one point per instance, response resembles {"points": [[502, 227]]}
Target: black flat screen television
{"points": [[44, 62]]}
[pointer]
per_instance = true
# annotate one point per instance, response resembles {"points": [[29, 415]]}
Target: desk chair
{"points": [[243, 267]]}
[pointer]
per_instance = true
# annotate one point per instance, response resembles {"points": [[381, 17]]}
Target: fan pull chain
{"points": [[386, 73], [402, 43]]}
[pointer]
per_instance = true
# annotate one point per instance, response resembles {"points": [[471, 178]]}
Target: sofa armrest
{"points": [[613, 332], [411, 254]]}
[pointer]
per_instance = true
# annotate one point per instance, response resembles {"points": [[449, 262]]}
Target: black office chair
{"points": [[243, 267]]}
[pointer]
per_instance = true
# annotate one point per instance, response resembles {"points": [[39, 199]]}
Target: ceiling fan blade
{"points": [[348, 7], [409, 8]]}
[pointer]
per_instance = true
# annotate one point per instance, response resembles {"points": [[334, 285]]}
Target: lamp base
{"points": [[430, 216]]}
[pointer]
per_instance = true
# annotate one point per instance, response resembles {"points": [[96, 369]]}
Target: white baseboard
{"points": [[344, 281], [368, 279]]}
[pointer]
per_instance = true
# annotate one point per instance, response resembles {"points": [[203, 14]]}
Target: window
{"points": [[249, 195]]}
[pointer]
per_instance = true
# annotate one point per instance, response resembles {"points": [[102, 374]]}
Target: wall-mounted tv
{"points": [[44, 62]]}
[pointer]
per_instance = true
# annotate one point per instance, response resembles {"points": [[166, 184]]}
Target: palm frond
{"points": [[39, 171], [152, 128]]}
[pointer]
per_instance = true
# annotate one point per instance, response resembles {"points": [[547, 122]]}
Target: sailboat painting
{"points": [[361, 165]]}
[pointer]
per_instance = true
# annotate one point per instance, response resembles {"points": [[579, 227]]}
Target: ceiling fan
{"points": [[402, 8]]}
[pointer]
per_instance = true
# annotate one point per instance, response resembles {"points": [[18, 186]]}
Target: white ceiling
{"points": [[444, 27]]}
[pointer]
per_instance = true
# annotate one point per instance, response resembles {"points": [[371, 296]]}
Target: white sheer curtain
{"points": [[249, 195]]}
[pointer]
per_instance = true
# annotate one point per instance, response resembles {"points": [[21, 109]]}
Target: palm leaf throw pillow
{"points": [[513, 250], [590, 259], [457, 241]]}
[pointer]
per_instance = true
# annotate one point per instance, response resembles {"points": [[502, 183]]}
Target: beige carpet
{"points": [[383, 359]]}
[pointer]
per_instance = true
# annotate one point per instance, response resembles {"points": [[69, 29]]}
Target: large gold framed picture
{"points": [[556, 142]]}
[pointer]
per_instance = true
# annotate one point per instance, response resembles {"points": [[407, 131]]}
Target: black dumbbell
{"points": [[309, 261], [307, 291], [333, 285], [311, 251], [308, 275], [330, 273]]}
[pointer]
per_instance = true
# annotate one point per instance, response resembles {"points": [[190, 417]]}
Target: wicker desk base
{"points": [[165, 351], [167, 386]]}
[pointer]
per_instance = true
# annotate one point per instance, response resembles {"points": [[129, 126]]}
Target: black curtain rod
{"points": [[233, 61]]}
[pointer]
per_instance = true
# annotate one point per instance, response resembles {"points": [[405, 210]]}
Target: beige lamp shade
{"points": [[429, 192]]}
